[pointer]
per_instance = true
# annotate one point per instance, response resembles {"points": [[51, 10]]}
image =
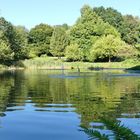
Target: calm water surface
{"points": [[52, 105]]}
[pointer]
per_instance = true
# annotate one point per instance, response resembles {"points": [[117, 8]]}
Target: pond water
{"points": [[52, 105]]}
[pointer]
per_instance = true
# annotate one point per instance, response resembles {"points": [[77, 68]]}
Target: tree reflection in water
{"points": [[89, 94]]}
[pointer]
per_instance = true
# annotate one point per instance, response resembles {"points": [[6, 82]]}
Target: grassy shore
{"points": [[55, 63], [3, 67]]}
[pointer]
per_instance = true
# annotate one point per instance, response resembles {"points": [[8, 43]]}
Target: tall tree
{"points": [[14, 37], [21, 34], [109, 47], [6, 54], [74, 53], [110, 15], [7, 31], [59, 41], [88, 29], [8, 39], [131, 30], [128, 26], [39, 37]]}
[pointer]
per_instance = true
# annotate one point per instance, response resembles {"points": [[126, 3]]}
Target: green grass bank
{"points": [[55, 63]]}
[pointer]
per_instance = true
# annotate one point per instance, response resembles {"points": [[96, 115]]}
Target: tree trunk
{"points": [[109, 59]]}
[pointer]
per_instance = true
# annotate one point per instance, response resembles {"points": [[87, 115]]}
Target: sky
{"points": [[54, 12]]}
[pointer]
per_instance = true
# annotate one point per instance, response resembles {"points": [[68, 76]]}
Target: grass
{"points": [[55, 63]]}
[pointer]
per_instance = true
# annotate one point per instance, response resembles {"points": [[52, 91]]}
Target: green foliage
{"points": [[108, 47], [32, 50], [21, 41], [131, 30], [88, 29], [40, 36], [137, 46], [65, 26], [110, 15], [99, 34], [15, 38], [128, 52], [7, 44], [121, 132], [94, 134], [128, 26], [6, 32], [44, 62], [74, 53], [58, 41], [6, 53]]}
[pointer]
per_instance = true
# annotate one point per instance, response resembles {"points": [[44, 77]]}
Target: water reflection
{"points": [[84, 97]]}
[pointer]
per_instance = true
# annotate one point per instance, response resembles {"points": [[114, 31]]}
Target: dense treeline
{"points": [[99, 34]]}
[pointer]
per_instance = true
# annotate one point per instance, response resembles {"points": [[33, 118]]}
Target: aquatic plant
{"points": [[94, 134], [120, 131]]}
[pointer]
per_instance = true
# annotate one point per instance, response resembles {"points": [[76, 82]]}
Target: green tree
{"points": [[88, 29], [7, 31], [40, 36], [128, 26], [12, 36], [58, 42], [110, 15], [6, 54], [131, 30], [21, 34], [108, 47], [65, 26], [74, 53], [7, 39]]}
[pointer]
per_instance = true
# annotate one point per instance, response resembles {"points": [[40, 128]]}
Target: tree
{"points": [[7, 31], [128, 52], [131, 30], [110, 15], [40, 36], [6, 54], [88, 29], [108, 47], [128, 26], [74, 53], [58, 42], [8, 40], [21, 34], [13, 38]]}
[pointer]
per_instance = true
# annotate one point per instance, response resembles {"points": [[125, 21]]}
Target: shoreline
{"points": [[51, 63], [68, 68]]}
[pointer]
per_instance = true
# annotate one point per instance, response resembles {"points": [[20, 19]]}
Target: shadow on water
{"points": [[137, 68], [63, 76], [126, 75], [70, 76]]}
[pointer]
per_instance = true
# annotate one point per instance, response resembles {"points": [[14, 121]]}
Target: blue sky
{"points": [[32, 12]]}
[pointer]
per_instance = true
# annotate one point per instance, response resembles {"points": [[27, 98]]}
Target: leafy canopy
{"points": [[88, 28], [58, 41], [107, 47]]}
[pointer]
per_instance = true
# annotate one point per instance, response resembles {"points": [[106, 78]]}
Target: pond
{"points": [[53, 105]]}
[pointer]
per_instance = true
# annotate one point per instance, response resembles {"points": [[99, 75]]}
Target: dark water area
{"points": [[52, 105]]}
